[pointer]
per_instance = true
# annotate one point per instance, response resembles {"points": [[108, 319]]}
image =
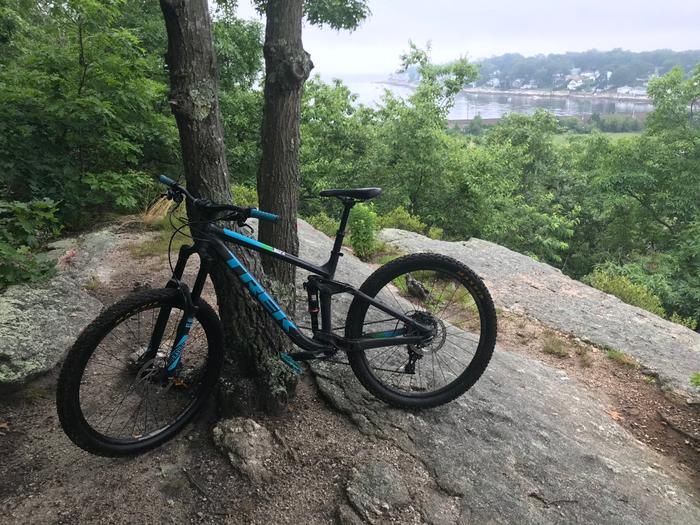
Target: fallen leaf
{"points": [[615, 415]]}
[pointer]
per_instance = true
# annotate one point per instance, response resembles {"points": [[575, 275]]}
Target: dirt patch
{"points": [[635, 399], [46, 479]]}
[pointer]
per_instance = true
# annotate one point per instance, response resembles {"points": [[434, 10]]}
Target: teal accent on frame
{"points": [[387, 333], [176, 353], [291, 363], [256, 289], [247, 240]]}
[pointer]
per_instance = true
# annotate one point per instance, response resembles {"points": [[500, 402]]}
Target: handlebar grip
{"points": [[263, 215], [166, 180]]}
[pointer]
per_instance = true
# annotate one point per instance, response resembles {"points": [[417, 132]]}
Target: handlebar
{"points": [[263, 215], [167, 181], [240, 214]]}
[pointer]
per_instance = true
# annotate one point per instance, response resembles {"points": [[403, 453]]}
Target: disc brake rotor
{"points": [[151, 374], [437, 336]]}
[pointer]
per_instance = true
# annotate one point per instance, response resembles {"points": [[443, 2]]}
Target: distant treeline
{"points": [[549, 71], [609, 123]]}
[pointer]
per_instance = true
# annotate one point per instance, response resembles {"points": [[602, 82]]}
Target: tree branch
{"points": [[651, 210]]}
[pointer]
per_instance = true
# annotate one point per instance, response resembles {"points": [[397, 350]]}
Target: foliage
{"points": [[28, 223], [84, 84], [616, 123], [323, 223], [82, 87], [25, 226], [695, 379], [244, 196], [554, 346], [239, 45], [336, 143], [688, 322], [611, 123], [363, 225], [624, 289], [620, 357], [476, 126], [401, 219], [435, 232], [338, 14]]}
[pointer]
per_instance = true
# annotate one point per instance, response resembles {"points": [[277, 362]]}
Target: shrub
{"points": [[28, 223], [621, 358], [614, 123], [25, 226], [695, 379], [585, 357], [244, 196], [553, 346], [19, 265], [400, 218], [106, 191], [688, 322], [627, 291], [324, 223], [435, 233], [363, 230], [574, 124]]}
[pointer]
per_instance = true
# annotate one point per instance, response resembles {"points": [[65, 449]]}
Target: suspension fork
{"points": [[185, 324]]}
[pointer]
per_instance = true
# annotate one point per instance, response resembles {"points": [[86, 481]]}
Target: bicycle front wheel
{"points": [[436, 291], [115, 394]]}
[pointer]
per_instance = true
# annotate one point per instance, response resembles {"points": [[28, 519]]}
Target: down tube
{"points": [[257, 291], [268, 303]]}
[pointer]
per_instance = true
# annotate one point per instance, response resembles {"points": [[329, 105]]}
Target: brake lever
{"points": [[244, 224], [174, 196]]}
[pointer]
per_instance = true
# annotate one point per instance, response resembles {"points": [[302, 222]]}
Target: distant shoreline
{"points": [[534, 93]]}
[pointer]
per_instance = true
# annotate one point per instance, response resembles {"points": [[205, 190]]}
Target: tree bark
{"points": [[287, 66], [254, 378]]}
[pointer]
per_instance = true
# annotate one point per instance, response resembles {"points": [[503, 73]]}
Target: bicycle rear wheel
{"points": [[115, 396], [437, 291]]}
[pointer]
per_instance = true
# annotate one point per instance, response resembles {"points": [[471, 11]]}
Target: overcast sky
{"points": [[484, 28]]}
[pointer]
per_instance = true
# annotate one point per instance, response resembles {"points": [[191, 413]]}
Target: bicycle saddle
{"points": [[360, 194]]}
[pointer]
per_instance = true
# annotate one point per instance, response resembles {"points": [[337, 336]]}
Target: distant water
{"points": [[370, 89]]}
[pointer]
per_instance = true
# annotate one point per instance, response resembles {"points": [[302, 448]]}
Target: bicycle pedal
{"points": [[291, 363]]}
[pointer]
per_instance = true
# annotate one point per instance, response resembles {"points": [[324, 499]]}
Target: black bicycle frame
{"points": [[210, 243]]}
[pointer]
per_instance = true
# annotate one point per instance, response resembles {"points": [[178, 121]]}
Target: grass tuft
{"points": [[621, 358], [584, 356], [155, 214], [553, 346], [92, 284]]}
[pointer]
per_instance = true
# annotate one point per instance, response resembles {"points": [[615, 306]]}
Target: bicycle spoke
{"points": [[128, 403], [434, 299]]}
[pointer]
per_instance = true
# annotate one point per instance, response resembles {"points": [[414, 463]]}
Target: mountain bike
{"points": [[419, 332]]}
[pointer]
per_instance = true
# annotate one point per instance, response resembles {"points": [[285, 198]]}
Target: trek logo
{"points": [[261, 295], [175, 354]]}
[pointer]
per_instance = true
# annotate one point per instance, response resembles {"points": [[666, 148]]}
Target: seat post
{"points": [[336, 253]]}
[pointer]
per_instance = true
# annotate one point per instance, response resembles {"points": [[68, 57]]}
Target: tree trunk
{"points": [[287, 66], [254, 378]]}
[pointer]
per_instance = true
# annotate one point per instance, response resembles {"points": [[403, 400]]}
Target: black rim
{"points": [[124, 401], [438, 298]]}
